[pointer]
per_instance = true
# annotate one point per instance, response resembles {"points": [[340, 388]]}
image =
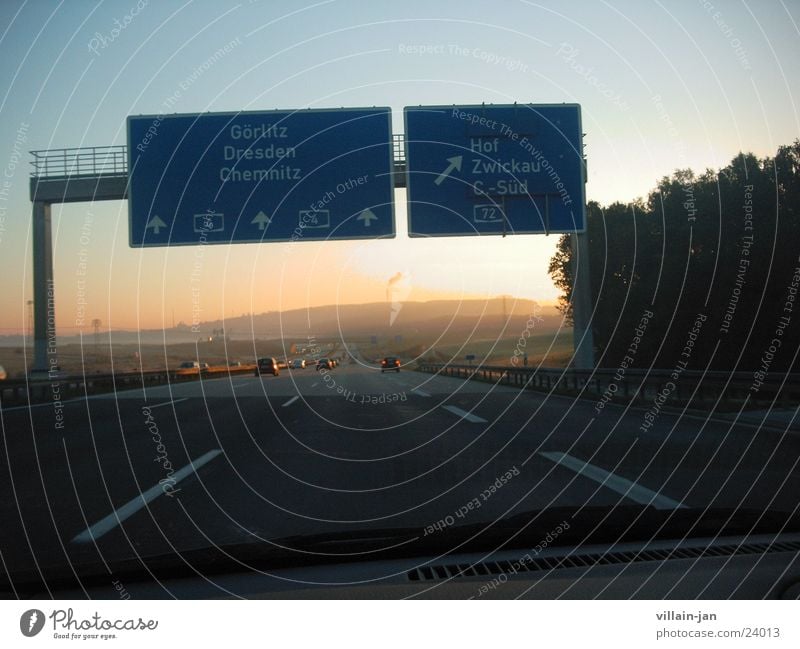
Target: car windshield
{"points": [[506, 282]]}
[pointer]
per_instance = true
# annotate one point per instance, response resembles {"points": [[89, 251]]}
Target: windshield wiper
{"points": [[586, 525]]}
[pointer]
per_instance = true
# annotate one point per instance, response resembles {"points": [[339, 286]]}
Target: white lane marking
{"points": [[83, 399], [105, 525], [621, 485], [291, 401], [313, 385], [39, 405], [420, 393], [167, 403], [465, 415]]}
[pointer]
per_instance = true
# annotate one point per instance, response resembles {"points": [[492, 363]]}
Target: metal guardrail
{"points": [[728, 389], [80, 161], [23, 391], [113, 160]]}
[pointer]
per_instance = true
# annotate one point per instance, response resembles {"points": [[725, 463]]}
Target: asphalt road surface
{"points": [[243, 458]]}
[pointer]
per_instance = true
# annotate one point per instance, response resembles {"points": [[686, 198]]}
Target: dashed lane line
{"points": [[627, 488], [115, 518], [465, 415], [168, 403]]}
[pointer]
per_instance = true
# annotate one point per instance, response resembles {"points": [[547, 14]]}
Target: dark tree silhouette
{"points": [[714, 257]]}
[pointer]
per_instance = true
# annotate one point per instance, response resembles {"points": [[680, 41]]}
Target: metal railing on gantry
{"points": [[80, 161], [113, 160]]}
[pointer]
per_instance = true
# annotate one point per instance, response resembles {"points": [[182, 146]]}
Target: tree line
{"points": [[709, 264]]}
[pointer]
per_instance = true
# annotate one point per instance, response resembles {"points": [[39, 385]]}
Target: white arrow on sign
{"points": [[155, 223], [262, 220], [455, 163], [367, 216]]}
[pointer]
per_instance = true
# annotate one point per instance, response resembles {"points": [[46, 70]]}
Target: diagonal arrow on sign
{"points": [[367, 216], [155, 223], [455, 163], [262, 220]]}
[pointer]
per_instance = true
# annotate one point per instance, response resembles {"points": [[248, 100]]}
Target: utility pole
{"points": [[30, 318], [96, 322]]}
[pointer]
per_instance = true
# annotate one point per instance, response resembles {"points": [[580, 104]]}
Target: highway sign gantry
{"points": [[248, 177], [494, 169]]}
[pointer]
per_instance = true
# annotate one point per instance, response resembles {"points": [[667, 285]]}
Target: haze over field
{"points": [[445, 329]]}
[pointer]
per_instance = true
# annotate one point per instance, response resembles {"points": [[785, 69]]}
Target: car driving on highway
{"points": [[324, 364], [267, 365], [389, 364], [298, 364]]}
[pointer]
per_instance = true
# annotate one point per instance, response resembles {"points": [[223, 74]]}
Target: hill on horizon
{"points": [[470, 317]]}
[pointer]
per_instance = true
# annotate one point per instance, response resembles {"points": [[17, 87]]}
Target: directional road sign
{"points": [[260, 176], [494, 169]]}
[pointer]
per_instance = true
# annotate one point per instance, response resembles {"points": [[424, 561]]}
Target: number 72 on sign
{"points": [[488, 213]]}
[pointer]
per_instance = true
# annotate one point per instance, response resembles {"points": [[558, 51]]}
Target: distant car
{"points": [[390, 363], [235, 364], [3, 373], [298, 364], [324, 364], [204, 367], [267, 365]]}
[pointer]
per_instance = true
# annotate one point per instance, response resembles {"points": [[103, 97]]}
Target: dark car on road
{"points": [[267, 365], [390, 363], [324, 364]]}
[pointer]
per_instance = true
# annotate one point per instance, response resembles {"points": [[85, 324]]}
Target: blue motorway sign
{"points": [[260, 176], [494, 169]]}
